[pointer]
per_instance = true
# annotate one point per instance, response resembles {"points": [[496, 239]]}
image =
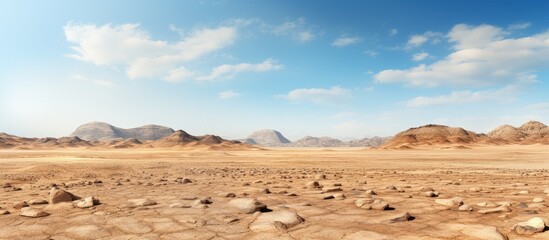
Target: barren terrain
{"points": [[278, 193]]}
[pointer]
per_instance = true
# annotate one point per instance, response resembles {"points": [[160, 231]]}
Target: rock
{"points": [[333, 189], [313, 185], [475, 189], [20, 204], [247, 205], [450, 202], [277, 220], [141, 202], [227, 195], [538, 200], [495, 210], [371, 203], [529, 227], [86, 202], [265, 191], [431, 194], [403, 217], [475, 231], [59, 195], [181, 205], [4, 212], [320, 177], [465, 208], [38, 202], [32, 212], [524, 192], [339, 196]]}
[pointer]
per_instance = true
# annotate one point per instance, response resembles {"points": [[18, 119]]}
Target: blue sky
{"points": [[345, 69]]}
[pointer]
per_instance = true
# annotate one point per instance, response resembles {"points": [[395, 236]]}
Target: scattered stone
{"points": [[403, 217], [538, 200], [524, 192], [371, 203], [339, 196], [313, 185], [4, 212], [265, 191], [86, 202], [227, 195], [495, 210], [38, 202], [465, 208], [20, 204], [277, 220], [450, 202], [141, 202], [59, 195], [530, 227], [333, 189], [32, 212], [431, 194], [475, 189], [248, 205]]}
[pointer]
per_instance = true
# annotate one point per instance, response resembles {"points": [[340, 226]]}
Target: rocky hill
{"points": [[267, 138], [100, 131], [532, 132]]}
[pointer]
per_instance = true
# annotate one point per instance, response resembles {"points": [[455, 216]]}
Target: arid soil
{"points": [[278, 193]]}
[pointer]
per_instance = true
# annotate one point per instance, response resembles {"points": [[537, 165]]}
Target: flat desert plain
{"points": [[275, 193]]}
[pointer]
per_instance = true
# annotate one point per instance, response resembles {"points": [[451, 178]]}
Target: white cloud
{"points": [[228, 94], [306, 36], [229, 71], [179, 74], [103, 83], [519, 26], [420, 39], [420, 56], [143, 57], [371, 53], [464, 97], [393, 32], [298, 29], [345, 41], [319, 95], [482, 57], [417, 40]]}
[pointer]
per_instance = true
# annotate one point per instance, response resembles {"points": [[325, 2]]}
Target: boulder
{"points": [[32, 212], [277, 220], [450, 202], [534, 225], [141, 202], [59, 195], [247, 205]]}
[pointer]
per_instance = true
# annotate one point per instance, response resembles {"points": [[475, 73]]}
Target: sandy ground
{"points": [[191, 190]]}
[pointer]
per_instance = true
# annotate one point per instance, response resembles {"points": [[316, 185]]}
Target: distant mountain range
{"points": [[99, 134], [273, 138], [532, 132], [103, 135]]}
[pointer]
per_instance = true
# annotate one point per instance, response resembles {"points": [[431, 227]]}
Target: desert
{"points": [[274, 119], [187, 187]]}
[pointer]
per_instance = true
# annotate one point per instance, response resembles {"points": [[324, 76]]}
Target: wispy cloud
{"points": [[519, 26], [345, 41], [418, 40], [229, 71], [298, 29], [465, 97], [229, 94], [420, 56], [319, 95]]}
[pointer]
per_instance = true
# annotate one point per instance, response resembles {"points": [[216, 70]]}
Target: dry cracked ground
{"points": [[480, 193]]}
